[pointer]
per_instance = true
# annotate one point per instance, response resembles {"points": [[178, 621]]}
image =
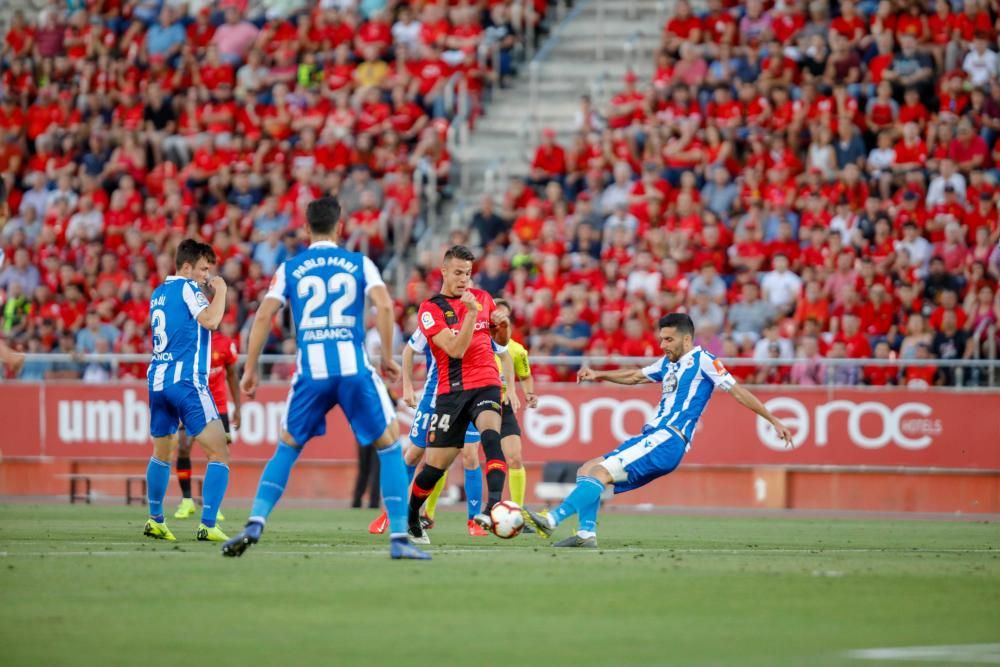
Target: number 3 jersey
{"points": [[325, 286], [181, 347]]}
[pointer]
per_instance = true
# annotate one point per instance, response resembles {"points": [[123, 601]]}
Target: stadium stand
{"points": [[808, 180]]}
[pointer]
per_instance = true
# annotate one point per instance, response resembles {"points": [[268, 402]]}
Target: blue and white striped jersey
{"points": [[686, 385], [326, 286], [418, 342], [182, 348]]}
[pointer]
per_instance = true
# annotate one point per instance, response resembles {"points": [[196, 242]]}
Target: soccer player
{"points": [[687, 375], [457, 325], [326, 286], [181, 319], [221, 374], [418, 442]]}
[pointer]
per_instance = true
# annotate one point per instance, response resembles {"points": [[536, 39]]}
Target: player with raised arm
{"points": [[457, 324], [221, 374], [325, 287], [181, 320], [417, 344], [687, 375]]}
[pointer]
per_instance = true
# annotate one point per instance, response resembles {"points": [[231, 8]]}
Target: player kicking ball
{"points": [[457, 324], [414, 453], [687, 375], [326, 286], [181, 320]]}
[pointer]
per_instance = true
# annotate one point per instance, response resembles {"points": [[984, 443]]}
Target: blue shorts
{"points": [[422, 424], [641, 459], [362, 397], [180, 402]]}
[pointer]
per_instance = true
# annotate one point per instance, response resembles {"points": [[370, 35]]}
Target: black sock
{"points": [[496, 468], [184, 475], [423, 484]]}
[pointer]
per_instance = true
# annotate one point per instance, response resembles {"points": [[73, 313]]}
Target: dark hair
{"points": [[459, 252], [503, 303], [680, 321], [190, 251], [323, 214]]}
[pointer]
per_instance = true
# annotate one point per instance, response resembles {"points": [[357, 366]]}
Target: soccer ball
{"points": [[507, 519]]}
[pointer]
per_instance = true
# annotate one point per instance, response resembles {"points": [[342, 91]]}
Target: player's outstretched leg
{"points": [[423, 485], [393, 478], [587, 492], [272, 484], [586, 536], [411, 457]]}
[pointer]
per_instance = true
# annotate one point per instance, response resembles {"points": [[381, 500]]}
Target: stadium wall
{"points": [[855, 449]]}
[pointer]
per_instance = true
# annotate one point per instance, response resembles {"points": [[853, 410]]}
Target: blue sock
{"points": [[588, 514], [216, 481], [395, 488], [587, 492], [157, 480], [273, 481], [411, 472], [474, 491]]}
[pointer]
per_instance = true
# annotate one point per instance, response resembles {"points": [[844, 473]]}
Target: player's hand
{"points": [[515, 402], [469, 300], [249, 382], [783, 433], [498, 318], [586, 375], [532, 400], [390, 369], [236, 419], [217, 283], [410, 397]]}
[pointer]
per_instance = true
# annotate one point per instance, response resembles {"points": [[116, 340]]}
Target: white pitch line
{"points": [[981, 654], [326, 550]]}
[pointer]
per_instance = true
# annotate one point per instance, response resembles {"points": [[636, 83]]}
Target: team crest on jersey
{"points": [[427, 320], [670, 383], [479, 306]]}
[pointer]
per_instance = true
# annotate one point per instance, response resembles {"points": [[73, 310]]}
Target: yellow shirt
{"points": [[522, 368]]}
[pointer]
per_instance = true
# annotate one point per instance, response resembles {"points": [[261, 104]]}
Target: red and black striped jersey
{"points": [[478, 368]]}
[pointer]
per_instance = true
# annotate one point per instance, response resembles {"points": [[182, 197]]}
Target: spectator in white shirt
{"points": [[87, 223], [980, 63], [917, 248], [644, 277], [949, 176], [781, 287]]}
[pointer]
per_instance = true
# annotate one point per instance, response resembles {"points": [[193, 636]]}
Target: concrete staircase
{"points": [[587, 52]]}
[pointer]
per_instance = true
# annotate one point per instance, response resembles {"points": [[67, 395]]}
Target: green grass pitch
{"points": [[80, 586]]}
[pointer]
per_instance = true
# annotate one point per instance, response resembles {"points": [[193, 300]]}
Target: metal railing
{"points": [[990, 366]]}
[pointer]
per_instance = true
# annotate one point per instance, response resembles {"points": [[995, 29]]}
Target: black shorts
{"points": [[455, 411], [508, 422]]}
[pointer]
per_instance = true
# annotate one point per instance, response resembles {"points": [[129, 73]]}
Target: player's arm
{"points": [[507, 365], [234, 389], [409, 395], [620, 376], [455, 345], [746, 398], [385, 318], [259, 332], [211, 317]]}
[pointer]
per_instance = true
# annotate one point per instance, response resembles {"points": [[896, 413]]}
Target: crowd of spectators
{"points": [[807, 180], [128, 125]]}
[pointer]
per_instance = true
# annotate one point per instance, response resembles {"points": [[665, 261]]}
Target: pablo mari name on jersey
{"points": [[339, 328]]}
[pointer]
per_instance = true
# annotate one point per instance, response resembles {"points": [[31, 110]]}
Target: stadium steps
{"points": [[502, 143]]}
